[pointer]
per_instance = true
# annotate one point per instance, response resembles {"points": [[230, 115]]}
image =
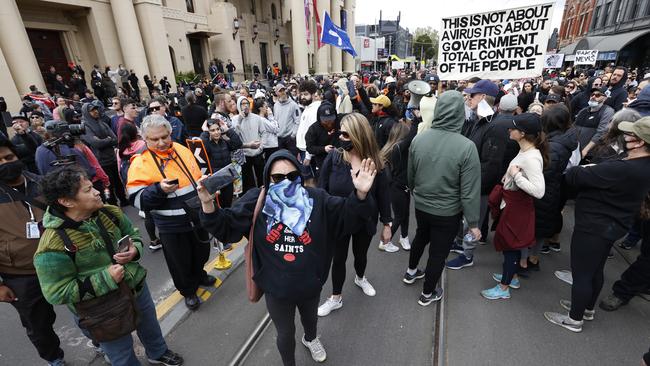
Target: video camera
{"points": [[63, 133]]}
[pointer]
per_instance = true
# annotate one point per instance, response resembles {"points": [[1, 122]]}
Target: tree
{"points": [[425, 43]]}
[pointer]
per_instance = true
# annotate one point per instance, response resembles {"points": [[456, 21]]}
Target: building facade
{"points": [[398, 40], [575, 21], [162, 37]]}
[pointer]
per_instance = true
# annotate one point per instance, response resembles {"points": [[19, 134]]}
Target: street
{"points": [[388, 329]]}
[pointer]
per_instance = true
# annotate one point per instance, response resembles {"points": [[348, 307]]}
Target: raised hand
{"points": [[364, 177]]}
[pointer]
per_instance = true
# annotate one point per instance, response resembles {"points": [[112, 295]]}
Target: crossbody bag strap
{"points": [[258, 208], [20, 196], [108, 242]]}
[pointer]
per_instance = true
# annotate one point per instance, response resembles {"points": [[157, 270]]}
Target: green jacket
{"points": [[67, 281], [444, 170]]}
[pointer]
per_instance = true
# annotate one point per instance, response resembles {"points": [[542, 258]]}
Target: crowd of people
{"points": [[321, 162]]}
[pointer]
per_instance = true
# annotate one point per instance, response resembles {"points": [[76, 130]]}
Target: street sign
{"points": [[197, 148]]}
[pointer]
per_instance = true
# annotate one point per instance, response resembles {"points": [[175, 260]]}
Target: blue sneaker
{"points": [[513, 284], [57, 362], [457, 248], [460, 262], [496, 293]]}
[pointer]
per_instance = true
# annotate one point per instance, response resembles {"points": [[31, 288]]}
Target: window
{"points": [[253, 7], [274, 13], [635, 8], [581, 30], [596, 17], [608, 8], [619, 11], [189, 4]]}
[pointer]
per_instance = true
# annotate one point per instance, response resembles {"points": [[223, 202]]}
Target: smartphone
{"points": [[220, 179], [123, 244], [173, 181]]}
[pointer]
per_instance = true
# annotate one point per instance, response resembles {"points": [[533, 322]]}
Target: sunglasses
{"points": [[154, 109], [597, 95], [344, 134], [292, 176], [34, 117]]}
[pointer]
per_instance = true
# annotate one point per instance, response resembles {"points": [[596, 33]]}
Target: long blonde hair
{"points": [[362, 138], [397, 133]]}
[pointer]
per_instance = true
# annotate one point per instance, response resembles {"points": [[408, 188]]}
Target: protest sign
{"points": [[585, 57], [502, 44], [397, 65], [553, 61]]}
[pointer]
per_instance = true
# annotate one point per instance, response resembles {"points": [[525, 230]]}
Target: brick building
{"points": [[575, 20]]}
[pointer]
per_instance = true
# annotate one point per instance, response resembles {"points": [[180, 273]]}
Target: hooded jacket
{"points": [[99, 137], [642, 103], [288, 266], [250, 128], [618, 94], [287, 114], [581, 100], [444, 171], [65, 280]]}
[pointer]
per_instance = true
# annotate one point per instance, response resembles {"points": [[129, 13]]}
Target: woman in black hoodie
{"points": [[294, 235]]}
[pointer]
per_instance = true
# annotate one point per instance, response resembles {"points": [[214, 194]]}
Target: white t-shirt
{"points": [[308, 117]]}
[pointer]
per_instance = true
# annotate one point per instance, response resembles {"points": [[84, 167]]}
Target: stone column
{"points": [[7, 87], [337, 57], [322, 55], [154, 37], [348, 60], [299, 38], [128, 32], [17, 49]]}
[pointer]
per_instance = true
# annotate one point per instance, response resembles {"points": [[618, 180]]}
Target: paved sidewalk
{"points": [[515, 332]]}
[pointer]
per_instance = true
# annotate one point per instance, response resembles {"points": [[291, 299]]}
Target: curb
{"points": [[179, 311]]}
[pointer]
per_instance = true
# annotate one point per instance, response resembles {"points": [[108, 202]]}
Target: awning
{"points": [[569, 49], [202, 34], [616, 42]]}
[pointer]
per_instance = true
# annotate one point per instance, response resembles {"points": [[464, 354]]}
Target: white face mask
{"points": [[593, 103], [484, 109]]}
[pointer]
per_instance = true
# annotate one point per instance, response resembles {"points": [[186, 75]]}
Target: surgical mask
{"points": [[346, 145], [10, 171], [484, 109], [593, 103]]}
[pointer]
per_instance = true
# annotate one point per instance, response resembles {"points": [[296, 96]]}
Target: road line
{"points": [[251, 341]]}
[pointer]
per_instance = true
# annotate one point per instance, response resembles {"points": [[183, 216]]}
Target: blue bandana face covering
{"points": [[289, 203]]}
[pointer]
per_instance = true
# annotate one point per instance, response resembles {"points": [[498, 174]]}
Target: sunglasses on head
{"points": [[292, 176], [154, 109]]}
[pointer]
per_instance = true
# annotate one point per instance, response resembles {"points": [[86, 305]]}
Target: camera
{"points": [[62, 133]]}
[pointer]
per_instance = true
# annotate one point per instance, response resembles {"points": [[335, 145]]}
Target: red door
{"points": [[48, 49]]}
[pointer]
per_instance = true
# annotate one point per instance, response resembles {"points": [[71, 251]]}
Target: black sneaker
{"points": [[533, 266], [555, 247], [409, 279], [611, 254], [208, 281], [626, 245], [155, 245], [192, 302], [169, 359], [545, 249], [426, 300]]}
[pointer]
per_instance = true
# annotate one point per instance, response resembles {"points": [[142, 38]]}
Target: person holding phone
{"points": [[219, 142], [169, 200]]}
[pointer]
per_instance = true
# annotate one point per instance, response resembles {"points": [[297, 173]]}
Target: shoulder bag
{"points": [[254, 292]]}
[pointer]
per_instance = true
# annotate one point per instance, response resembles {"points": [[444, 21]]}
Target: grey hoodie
{"points": [[444, 170], [249, 128], [287, 114], [99, 137]]}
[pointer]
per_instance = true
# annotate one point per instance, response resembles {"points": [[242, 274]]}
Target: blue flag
{"points": [[336, 36]]}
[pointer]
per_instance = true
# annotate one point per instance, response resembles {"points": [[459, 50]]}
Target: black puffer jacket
{"points": [[548, 217]]}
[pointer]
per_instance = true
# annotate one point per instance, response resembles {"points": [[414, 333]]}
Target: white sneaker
{"points": [[565, 275], [316, 349], [404, 242], [141, 214], [365, 285], [388, 247], [329, 305]]}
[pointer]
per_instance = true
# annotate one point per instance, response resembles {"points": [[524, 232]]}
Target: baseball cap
{"points": [[382, 99], [483, 87], [528, 123], [279, 87], [553, 98], [19, 117], [641, 128], [508, 103], [326, 112], [431, 77]]}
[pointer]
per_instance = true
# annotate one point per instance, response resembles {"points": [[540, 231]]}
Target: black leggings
{"points": [[588, 256], [438, 232], [510, 265], [401, 201], [636, 277], [360, 244], [283, 314]]}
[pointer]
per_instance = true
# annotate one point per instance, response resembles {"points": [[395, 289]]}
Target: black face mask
{"points": [[346, 145], [10, 171]]}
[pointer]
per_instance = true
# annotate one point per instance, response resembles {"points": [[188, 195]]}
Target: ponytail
{"points": [[541, 144]]}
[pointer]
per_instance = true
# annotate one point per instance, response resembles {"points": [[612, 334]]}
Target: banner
{"points": [[197, 148], [319, 29], [336, 36], [502, 44], [553, 60], [307, 16], [585, 57]]}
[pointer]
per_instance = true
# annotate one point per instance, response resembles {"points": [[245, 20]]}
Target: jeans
{"points": [[120, 351], [438, 232], [510, 265], [253, 172], [283, 314], [588, 257], [469, 246], [36, 315], [360, 244]]}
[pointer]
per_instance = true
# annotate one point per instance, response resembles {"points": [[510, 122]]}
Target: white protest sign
{"points": [[397, 65], [585, 57], [553, 60], [502, 44]]}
